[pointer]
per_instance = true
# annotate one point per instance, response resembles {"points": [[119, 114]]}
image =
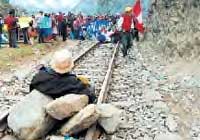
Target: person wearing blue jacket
{"points": [[40, 24], [46, 25]]}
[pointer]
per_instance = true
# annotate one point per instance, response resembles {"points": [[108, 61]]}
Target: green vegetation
{"points": [[4, 1], [4, 7], [11, 57]]}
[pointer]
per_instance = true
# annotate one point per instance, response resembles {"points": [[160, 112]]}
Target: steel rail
{"points": [[4, 115], [93, 132]]}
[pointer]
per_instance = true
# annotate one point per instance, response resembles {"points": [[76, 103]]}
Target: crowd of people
{"points": [[59, 71], [45, 27], [119, 28]]}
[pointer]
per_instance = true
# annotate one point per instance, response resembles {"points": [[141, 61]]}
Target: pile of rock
{"points": [[38, 114]]}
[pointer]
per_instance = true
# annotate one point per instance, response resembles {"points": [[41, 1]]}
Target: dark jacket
{"points": [[64, 25], [56, 85], [1, 26]]}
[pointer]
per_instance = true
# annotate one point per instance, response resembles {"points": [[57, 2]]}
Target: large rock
{"points": [[167, 136], [28, 119], [3, 126], [55, 138], [9, 137], [60, 138], [110, 117], [171, 123], [81, 121], [66, 106], [1, 135]]}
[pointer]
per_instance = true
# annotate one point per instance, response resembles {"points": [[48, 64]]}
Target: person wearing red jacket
{"points": [[11, 23], [60, 19], [126, 24]]}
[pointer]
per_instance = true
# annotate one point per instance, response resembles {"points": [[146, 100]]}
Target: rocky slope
{"points": [[4, 8], [175, 26]]}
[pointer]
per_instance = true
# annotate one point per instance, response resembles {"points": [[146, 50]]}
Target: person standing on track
{"points": [[126, 24]]}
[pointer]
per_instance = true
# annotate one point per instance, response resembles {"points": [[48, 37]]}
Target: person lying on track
{"points": [[57, 80]]}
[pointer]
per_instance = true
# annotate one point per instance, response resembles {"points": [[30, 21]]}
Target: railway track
{"points": [[95, 62], [14, 95], [93, 133]]}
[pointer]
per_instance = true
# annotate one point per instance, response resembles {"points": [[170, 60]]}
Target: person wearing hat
{"points": [[57, 80], [126, 24]]}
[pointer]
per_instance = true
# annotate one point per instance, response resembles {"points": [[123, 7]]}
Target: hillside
{"points": [[103, 6], [175, 28], [4, 6]]}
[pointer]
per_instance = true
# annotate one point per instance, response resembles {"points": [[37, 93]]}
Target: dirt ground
{"points": [[29, 61], [181, 91]]}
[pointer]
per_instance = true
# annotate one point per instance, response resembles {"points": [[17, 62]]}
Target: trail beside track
{"points": [[156, 105], [160, 100]]}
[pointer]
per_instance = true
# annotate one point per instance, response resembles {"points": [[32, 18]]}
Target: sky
{"points": [[87, 6], [52, 5]]}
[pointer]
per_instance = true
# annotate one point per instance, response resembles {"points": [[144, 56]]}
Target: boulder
{"points": [[171, 123], [167, 136], [9, 137], [55, 138], [28, 119], [66, 106], [3, 126], [81, 121], [116, 138], [110, 117], [60, 138], [1, 135]]}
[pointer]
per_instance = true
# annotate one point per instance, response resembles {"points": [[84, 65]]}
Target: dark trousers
{"points": [[17, 33], [135, 34], [0, 39], [76, 33], [41, 35], [64, 35], [115, 38], [12, 38], [25, 35], [59, 28], [126, 39]]}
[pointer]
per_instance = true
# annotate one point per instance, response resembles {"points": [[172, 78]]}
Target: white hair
{"points": [[62, 55], [62, 61]]}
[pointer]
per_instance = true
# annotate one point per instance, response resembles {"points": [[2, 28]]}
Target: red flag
{"points": [[137, 13]]}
